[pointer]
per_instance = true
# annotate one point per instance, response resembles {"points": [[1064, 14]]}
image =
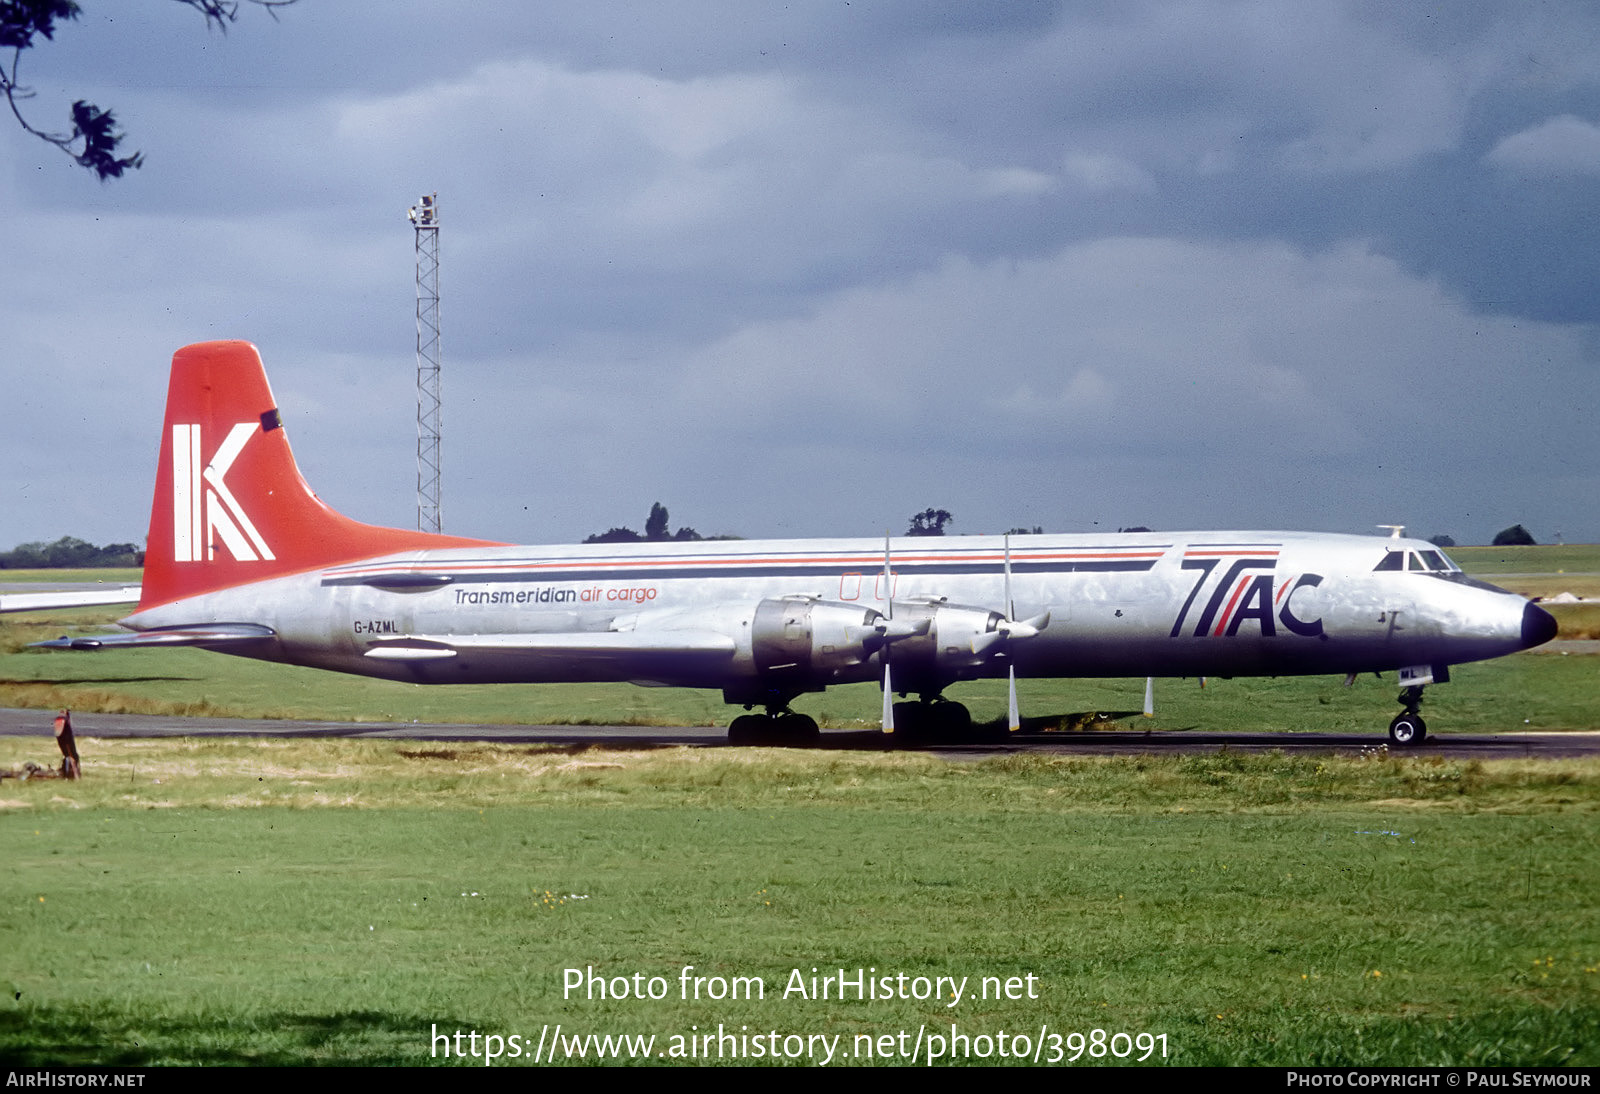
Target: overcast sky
{"points": [[805, 269]]}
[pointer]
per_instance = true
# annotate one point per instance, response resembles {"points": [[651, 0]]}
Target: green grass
{"points": [[1551, 559], [108, 575], [331, 901]]}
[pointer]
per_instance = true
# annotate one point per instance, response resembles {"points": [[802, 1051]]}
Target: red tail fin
{"points": [[230, 505]]}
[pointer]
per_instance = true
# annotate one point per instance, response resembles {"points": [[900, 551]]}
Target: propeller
{"points": [[1012, 629], [888, 612], [1013, 715], [1009, 630]]}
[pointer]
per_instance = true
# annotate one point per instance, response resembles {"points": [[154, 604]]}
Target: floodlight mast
{"points": [[425, 219]]}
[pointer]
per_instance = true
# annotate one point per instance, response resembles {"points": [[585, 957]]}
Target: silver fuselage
{"points": [[1176, 604]]}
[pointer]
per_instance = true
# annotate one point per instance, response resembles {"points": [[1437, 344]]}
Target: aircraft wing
{"points": [[575, 649], [211, 634], [67, 598]]}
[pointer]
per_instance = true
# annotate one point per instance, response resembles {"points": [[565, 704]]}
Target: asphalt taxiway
{"points": [[1126, 739]]}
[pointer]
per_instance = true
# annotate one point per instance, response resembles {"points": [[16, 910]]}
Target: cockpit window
{"points": [[1418, 562]]}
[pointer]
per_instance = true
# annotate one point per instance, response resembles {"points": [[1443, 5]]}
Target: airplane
{"points": [[244, 559]]}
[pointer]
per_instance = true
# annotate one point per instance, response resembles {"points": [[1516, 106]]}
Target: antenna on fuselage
{"points": [[1396, 531]]}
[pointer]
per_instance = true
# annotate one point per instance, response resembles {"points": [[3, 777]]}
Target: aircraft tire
{"points": [[796, 729], [950, 721], [1408, 730], [749, 729], [910, 725]]}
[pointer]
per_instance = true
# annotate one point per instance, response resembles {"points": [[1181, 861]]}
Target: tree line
{"points": [[69, 551]]}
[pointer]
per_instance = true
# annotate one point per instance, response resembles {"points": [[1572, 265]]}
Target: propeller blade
{"points": [[889, 626], [1011, 609], [1149, 696], [983, 643], [1013, 716], [893, 630], [1037, 622], [888, 696]]}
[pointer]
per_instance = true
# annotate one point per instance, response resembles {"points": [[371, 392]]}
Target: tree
{"points": [[655, 528], [1515, 536], [1036, 530], [1442, 541], [929, 522], [94, 138]]}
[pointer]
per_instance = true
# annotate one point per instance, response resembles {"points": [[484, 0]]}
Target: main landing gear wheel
{"points": [[748, 729], [1408, 730], [931, 721], [785, 728]]}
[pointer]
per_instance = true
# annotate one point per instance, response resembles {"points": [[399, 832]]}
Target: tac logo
{"points": [[202, 504], [1239, 596]]}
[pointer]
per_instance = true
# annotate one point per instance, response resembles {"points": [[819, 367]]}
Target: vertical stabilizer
{"points": [[230, 506]]}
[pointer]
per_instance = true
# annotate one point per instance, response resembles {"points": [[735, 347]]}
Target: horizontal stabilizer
{"points": [[214, 634]]}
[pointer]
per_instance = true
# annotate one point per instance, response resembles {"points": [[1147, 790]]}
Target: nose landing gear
{"points": [[1408, 729]]}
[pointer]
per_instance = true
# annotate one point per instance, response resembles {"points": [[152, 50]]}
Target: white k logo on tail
{"points": [[203, 504]]}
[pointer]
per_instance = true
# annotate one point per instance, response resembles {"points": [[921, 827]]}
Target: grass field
{"points": [[108, 576], [336, 901]]}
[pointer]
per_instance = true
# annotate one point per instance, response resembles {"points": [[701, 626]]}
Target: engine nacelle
{"points": [[958, 642], [813, 640]]}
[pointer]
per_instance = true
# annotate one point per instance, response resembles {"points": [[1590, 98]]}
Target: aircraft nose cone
{"points": [[1538, 626]]}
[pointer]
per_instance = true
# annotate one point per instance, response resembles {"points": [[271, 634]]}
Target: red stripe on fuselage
{"points": [[1227, 613]]}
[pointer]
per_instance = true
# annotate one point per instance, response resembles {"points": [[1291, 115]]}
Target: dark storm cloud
{"points": [[803, 269]]}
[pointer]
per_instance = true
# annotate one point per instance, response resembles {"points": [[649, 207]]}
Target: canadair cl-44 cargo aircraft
{"points": [[243, 558]]}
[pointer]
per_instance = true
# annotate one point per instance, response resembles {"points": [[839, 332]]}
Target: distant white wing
{"points": [[39, 602]]}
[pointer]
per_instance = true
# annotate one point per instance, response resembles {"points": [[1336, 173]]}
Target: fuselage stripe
{"points": [[824, 570], [1233, 601]]}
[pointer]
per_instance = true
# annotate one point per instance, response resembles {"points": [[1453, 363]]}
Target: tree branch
{"points": [[94, 138], [219, 13]]}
